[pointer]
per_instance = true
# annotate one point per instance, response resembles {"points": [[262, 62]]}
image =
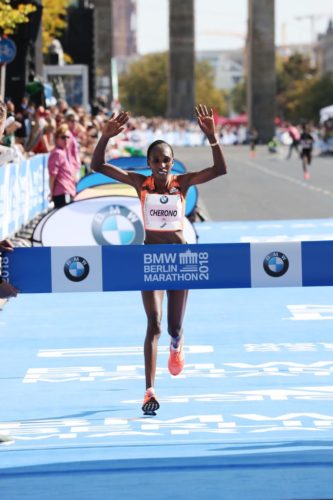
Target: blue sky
{"points": [[221, 24]]}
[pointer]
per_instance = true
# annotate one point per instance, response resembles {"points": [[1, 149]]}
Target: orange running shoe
{"points": [[176, 359], [150, 404]]}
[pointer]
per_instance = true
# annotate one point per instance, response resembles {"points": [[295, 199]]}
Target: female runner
{"points": [[173, 189]]}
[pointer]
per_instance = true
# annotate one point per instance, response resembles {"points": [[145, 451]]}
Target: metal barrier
{"points": [[23, 193]]}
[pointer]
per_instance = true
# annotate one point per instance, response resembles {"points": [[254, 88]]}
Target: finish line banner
{"points": [[169, 267]]}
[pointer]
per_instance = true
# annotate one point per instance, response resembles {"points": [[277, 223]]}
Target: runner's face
{"points": [[161, 161]]}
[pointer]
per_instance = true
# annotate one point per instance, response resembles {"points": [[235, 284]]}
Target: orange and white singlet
{"points": [[162, 212]]}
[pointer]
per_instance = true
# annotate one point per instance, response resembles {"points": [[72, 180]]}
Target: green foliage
{"points": [[295, 68], [238, 97], [293, 76], [306, 97], [10, 16], [206, 92], [54, 20], [144, 88], [300, 92]]}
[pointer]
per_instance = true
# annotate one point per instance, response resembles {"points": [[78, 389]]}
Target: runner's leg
{"points": [[152, 302], [177, 300], [305, 162]]}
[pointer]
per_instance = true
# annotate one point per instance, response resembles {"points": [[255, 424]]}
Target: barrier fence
{"points": [[169, 267]]}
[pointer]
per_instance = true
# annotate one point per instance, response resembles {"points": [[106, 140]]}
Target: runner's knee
{"points": [[154, 324]]}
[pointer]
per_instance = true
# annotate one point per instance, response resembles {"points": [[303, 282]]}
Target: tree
{"points": [[294, 76], [295, 68], [11, 16], [300, 92], [238, 97], [206, 92], [306, 97], [54, 20], [144, 88]]}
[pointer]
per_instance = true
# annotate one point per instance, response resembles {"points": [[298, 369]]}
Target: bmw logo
{"points": [[276, 264], [164, 199], [117, 225], [76, 268]]}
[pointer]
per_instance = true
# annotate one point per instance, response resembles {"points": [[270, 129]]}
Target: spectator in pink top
{"points": [[61, 169], [73, 124]]}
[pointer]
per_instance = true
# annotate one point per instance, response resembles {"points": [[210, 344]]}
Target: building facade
{"points": [[124, 28], [115, 38], [228, 66], [324, 51]]}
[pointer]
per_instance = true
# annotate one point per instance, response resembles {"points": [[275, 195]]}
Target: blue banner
{"points": [[317, 265], [169, 267], [176, 267]]}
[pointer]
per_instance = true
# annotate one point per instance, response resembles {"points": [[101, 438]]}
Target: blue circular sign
{"points": [[7, 50]]}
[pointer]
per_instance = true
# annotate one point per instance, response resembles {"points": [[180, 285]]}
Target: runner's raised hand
{"points": [[205, 120], [116, 124]]}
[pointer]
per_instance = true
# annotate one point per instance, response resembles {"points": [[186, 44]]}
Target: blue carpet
{"points": [[250, 417]]}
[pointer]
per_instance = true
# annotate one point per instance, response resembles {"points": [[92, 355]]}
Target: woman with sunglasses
{"points": [[62, 171], [162, 187]]}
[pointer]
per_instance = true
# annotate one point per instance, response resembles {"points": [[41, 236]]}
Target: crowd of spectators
{"points": [[31, 129]]}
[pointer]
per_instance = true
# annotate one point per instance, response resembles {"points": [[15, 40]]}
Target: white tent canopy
{"points": [[326, 113]]}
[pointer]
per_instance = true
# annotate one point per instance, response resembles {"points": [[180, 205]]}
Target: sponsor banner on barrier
{"points": [[76, 269], [276, 264], [167, 267], [317, 258], [3, 202], [13, 196], [23, 193], [128, 267], [29, 269], [106, 220], [176, 267]]}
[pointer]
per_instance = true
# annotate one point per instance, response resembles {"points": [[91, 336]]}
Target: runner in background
{"points": [[253, 141], [306, 146], [295, 137]]}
